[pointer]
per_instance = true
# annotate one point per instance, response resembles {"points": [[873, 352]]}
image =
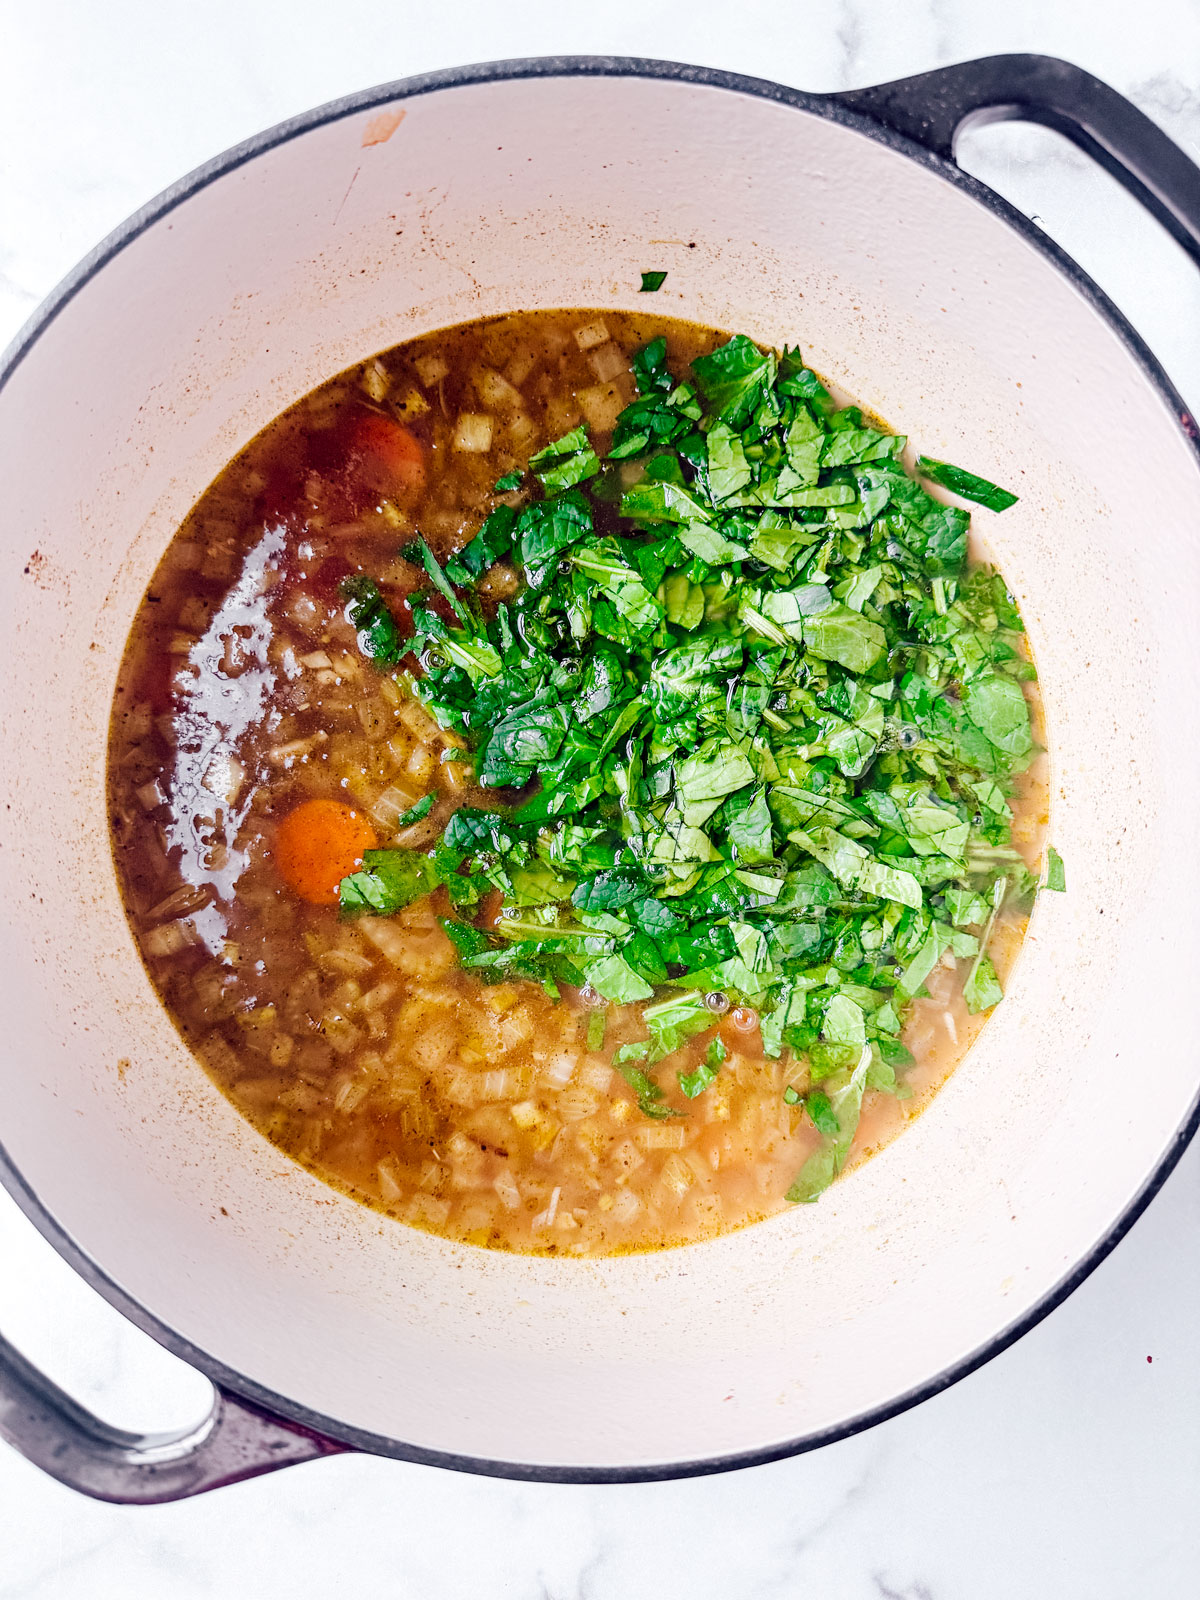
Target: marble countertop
{"points": [[1070, 1465]]}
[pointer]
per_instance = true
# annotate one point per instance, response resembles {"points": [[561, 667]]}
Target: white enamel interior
{"points": [[931, 310]]}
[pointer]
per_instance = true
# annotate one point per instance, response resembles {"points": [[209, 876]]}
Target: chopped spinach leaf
{"points": [[367, 611], [415, 812], [705, 1075], [389, 881], [649, 1095], [493, 541], [1056, 873], [567, 461], [753, 725], [965, 484], [467, 940], [842, 1103], [820, 1110], [420, 553], [652, 282], [982, 989]]}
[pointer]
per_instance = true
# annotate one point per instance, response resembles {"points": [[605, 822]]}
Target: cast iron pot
{"points": [[840, 222]]}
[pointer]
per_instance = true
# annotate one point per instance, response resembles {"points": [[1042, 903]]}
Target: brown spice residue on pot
{"points": [[379, 129], [38, 568]]}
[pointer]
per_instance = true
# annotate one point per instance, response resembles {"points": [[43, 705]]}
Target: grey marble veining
{"points": [[1069, 1466]]}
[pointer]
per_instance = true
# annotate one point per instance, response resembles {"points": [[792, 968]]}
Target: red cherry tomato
{"points": [[392, 457]]}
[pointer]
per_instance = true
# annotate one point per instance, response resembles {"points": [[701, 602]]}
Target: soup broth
{"points": [[261, 752]]}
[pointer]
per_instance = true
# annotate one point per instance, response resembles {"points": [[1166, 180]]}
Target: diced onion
{"points": [[495, 392], [602, 405], [545, 1219], [428, 1211], [664, 1136], [188, 897], [607, 361], [699, 1163], [520, 364], [421, 765], [186, 555], [456, 775], [375, 379], [390, 1187], [282, 755], [389, 940], [195, 614], [220, 1055], [281, 1049], [349, 1094], [340, 1032], [139, 719], [345, 963], [418, 721], [591, 334], [499, 1084], [392, 804], [561, 414], [560, 1069], [522, 430], [473, 433], [431, 369], [412, 403], [150, 795], [677, 1176], [627, 1157], [169, 938], [575, 1104], [373, 721]]}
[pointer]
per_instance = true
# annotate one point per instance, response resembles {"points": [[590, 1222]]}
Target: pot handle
{"points": [[235, 1441], [933, 108]]}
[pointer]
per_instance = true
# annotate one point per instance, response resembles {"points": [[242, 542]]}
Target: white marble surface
{"points": [[1068, 1466]]}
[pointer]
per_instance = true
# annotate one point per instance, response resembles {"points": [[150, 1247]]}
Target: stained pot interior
{"points": [[915, 298]]}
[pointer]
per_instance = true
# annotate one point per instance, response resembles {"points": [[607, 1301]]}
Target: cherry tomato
{"points": [[317, 845]]}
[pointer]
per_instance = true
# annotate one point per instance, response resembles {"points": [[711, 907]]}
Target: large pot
{"points": [[838, 222]]}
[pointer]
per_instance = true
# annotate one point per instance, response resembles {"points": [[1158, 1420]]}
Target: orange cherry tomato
{"points": [[317, 845], [389, 449]]}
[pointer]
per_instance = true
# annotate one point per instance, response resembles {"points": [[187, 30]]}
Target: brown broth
{"points": [[362, 1049]]}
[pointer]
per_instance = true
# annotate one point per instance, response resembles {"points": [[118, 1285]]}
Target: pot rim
{"points": [[829, 107]]}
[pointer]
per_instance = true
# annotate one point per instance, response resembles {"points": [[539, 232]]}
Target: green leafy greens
{"points": [[966, 484], [1056, 872], [752, 724]]}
